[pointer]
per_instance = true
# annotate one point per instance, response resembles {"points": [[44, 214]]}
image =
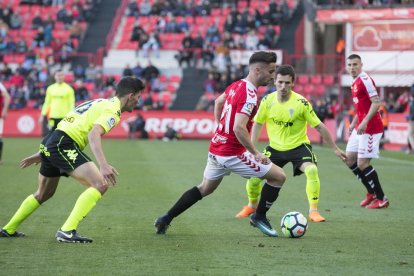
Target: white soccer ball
{"points": [[294, 225]]}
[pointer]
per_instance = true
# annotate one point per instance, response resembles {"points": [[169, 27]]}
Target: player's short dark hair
{"points": [[286, 70], [263, 56], [353, 56], [129, 85]]}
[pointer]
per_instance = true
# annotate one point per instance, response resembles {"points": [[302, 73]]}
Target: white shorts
{"points": [[1, 127], [244, 165], [366, 145]]}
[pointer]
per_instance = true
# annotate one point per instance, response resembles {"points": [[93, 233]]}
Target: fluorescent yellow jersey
{"points": [[79, 122], [286, 122], [59, 100]]}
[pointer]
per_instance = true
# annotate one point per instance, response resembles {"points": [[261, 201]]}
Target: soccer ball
{"points": [[294, 225]]}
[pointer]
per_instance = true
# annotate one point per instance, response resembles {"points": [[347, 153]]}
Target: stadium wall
{"points": [[191, 125]]}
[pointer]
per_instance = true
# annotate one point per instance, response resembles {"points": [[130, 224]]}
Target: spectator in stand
{"points": [[127, 72], [132, 9], [210, 84], [156, 85], [137, 70], [39, 39], [402, 102], [90, 72], [7, 13], [229, 24], [185, 54], [37, 21], [267, 16], [61, 13], [153, 44], [251, 23], [172, 26], [240, 26], [180, 8], [252, 40], [66, 51], [79, 72], [3, 45], [205, 8], [76, 30], [285, 10], [212, 34], [17, 79], [98, 81], [208, 55], [183, 25], [68, 19], [150, 72], [137, 33], [145, 8], [160, 24], [157, 7], [16, 21], [81, 92], [6, 72], [4, 29]]}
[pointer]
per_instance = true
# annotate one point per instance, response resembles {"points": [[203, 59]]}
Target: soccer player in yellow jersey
{"points": [[286, 115], [59, 100], [61, 154]]}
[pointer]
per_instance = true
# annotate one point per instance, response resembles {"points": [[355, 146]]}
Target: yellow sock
{"points": [[253, 189], [86, 201], [312, 186], [28, 206]]}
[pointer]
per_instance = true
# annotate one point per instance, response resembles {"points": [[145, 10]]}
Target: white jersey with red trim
{"points": [[363, 89], [241, 97]]}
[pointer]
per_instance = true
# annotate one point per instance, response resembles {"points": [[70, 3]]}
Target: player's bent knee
{"points": [[311, 171]]}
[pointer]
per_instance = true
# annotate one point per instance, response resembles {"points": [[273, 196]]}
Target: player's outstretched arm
{"points": [[326, 135], [32, 159], [108, 172]]}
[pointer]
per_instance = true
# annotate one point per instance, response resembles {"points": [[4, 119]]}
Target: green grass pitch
{"points": [[207, 239]]}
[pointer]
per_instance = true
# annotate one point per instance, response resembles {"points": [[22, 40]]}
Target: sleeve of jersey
{"points": [[247, 106], [108, 121], [311, 116], [261, 112], [370, 86]]}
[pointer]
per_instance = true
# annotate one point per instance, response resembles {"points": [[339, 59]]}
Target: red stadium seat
{"points": [[69, 78], [163, 78], [303, 79], [171, 88], [298, 88], [328, 79], [316, 79], [320, 89], [175, 78]]}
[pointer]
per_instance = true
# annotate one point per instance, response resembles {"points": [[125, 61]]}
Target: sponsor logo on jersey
{"points": [[281, 123], [217, 138], [111, 122], [248, 108]]}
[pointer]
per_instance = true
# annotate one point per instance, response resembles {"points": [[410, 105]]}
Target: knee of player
{"points": [[43, 196], [278, 179], [311, 171]]}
